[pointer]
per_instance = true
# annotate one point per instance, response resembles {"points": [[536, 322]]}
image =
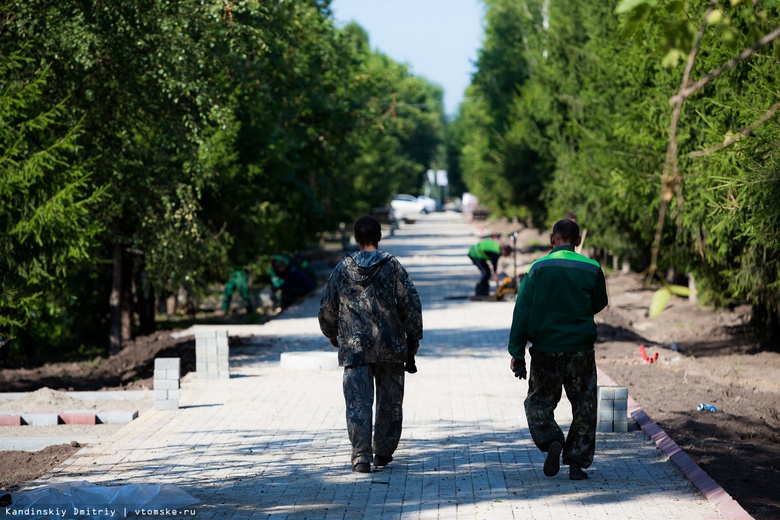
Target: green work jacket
{"points": [[556, 303], [486, 249]]}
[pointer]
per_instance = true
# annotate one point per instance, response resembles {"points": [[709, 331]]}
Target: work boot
{"points": [[362, 467], [382, 460], [552, 463], [576, 472]]}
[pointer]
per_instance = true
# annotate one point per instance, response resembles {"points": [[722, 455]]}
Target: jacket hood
{"points": [[362, 266]]}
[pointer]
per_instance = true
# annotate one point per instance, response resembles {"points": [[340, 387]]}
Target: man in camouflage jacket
{"points": [[554, 311], [371, 312]]}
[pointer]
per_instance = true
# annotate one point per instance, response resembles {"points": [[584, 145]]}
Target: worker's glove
{"points": [[518, 368], [411, 351], [410, 365]]}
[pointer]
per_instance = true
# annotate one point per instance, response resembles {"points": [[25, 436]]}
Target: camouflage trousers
{"points": [[359, 382], [575, 372]]}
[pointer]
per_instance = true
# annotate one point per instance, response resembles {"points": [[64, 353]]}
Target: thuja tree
{"points": [[505, 171], [719, 184], [135, 75], [46, 204], [591, 110], [660, 131]]}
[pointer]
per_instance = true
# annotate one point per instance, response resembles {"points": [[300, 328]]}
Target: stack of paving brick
{"points": [[612, 409], [166, 383], [211, 354]]}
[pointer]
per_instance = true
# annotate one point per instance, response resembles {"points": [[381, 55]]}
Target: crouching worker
{"points": [[371, 312], [289, 280], [554, 311], [485, 256]]}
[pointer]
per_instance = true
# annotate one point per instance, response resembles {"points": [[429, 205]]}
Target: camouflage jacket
{"points": [[372, 307]]}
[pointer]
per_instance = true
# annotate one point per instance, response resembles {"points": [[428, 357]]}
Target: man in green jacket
{"points": [[485, 254], [554, 312]]}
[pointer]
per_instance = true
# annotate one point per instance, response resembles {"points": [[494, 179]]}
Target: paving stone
{"points": [[40, 418], [78, 418], [117, 417], [10, 419]]}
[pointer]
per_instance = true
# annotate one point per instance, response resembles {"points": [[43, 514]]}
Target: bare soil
{"points": [[18, 467], [714, 363], [131, 369]]}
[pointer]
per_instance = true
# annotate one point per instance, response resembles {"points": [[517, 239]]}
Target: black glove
{"points": [[410, 366], [520, 371]]}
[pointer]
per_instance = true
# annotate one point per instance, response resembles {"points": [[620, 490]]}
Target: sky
{"points": [[437, 39]]}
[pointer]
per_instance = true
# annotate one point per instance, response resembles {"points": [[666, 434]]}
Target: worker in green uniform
{"points": [[238, 280], [485, 256], [554, 311], [291, 278]]}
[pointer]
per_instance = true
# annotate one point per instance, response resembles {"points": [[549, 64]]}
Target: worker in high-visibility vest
{"points": [[485, 256]]}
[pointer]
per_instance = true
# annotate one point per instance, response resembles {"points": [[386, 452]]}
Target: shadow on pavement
{"points": [[461, 466]]}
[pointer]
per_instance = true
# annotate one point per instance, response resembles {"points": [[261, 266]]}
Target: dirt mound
{"points": [[131, 369], [18, 467], [48, 400]]}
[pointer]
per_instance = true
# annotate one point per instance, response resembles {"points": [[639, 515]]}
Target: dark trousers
{"points": [[575, 372], [359, 382], [483, 286]]}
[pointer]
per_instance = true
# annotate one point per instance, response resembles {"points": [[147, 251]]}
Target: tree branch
{"points": [[670, 183], [745, 54], [734, 138]]}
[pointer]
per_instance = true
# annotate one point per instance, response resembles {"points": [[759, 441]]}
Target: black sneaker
{"points": [[382, 460], [362, 467], [552, 463], [576, 472]]}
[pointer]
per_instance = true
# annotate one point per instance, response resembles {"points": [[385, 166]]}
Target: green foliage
{"points": [[500, 162], [46, 197], [195, 136], [585, 129]]}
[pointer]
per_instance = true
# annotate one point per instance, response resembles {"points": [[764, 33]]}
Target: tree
{"points": [[734, 232], [215, 134], [134, 73], [501, 162], [45, 197]]}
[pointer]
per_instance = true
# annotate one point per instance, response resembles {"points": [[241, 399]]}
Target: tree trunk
{"points": [[127, 297], [626, 267], [115, 300], [145, 298]]}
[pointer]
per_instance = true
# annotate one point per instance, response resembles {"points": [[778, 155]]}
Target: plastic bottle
{"points": [[708, 407]]}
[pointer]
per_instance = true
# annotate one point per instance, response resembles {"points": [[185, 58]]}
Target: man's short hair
{"points": [[567, 230], [368, 231]]}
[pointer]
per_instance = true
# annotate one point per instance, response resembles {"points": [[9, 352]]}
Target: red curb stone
{"points": [[78, 418], [10, 420]]}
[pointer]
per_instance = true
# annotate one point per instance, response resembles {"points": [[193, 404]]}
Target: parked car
{"points": [[429, 205], [411, 206], [407, 207]]}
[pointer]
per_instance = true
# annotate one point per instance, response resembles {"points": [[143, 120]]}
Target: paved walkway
{"points": [[271, 442]]}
